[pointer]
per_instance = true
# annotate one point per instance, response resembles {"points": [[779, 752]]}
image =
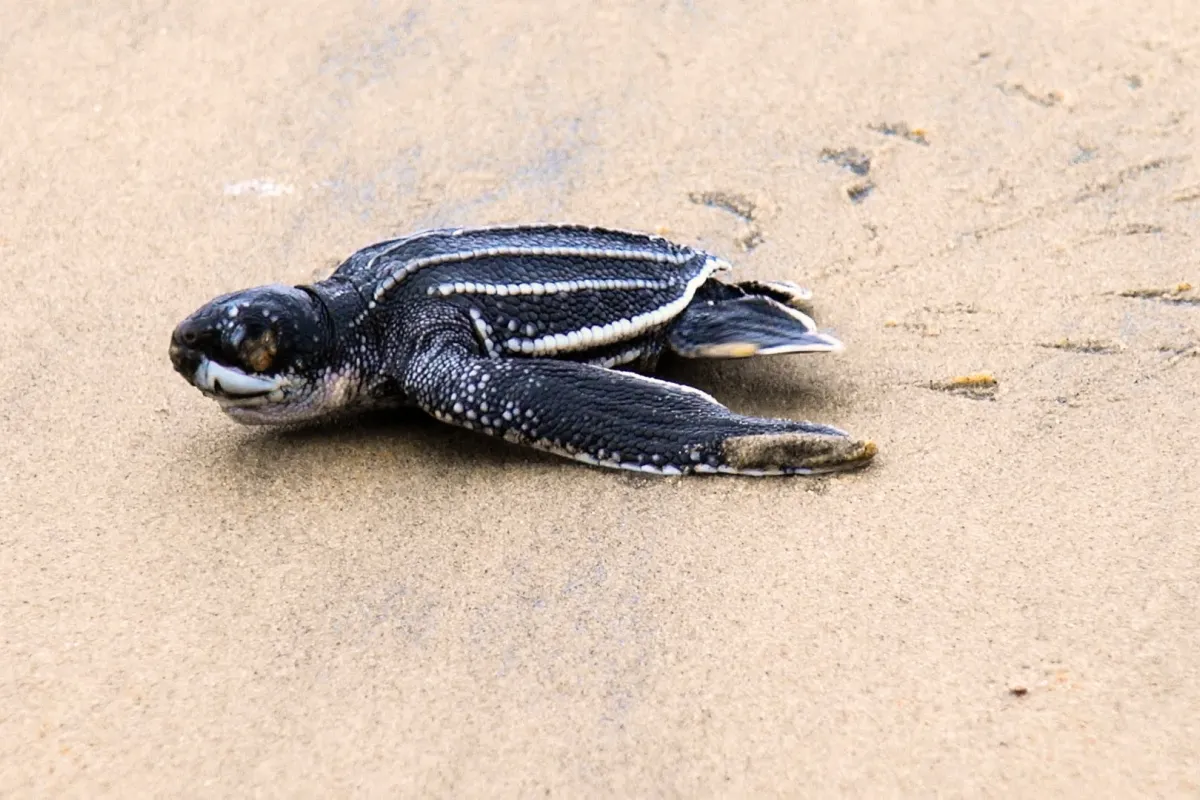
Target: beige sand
{"points": [[1006, 604]]}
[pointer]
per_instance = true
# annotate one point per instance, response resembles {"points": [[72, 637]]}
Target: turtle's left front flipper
{"points": [[619, 419]]}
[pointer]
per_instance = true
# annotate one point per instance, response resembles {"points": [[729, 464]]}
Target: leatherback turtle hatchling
{"points": [[516, 332]]}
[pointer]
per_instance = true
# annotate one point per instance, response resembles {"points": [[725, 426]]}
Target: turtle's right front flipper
{"points": [[618, 419]]}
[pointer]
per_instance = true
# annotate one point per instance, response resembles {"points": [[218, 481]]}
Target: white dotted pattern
{"points": [[416, 265], [618, 359], [548, 287], [600, 335]]}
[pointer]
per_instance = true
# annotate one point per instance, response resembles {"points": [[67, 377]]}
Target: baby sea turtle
{"points": [[518, 332]]}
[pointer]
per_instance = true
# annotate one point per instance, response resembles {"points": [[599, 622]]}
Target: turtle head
{"points": [[261, 354]]}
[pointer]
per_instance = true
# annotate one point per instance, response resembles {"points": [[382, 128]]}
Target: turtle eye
{"points": [[258, 351]]}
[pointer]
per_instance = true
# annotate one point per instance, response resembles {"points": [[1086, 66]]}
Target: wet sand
{"points": [[1005, 604]]}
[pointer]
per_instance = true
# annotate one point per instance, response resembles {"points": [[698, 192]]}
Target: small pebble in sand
{"points": [[974, 379], [979, 385]]}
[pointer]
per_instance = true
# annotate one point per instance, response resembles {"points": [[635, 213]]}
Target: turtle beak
{"points": [[188, 343], [218, 379]]}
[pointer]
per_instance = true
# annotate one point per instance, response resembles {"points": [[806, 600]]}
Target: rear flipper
{"points": [[786, 292], [743, 326], [619, 419]]}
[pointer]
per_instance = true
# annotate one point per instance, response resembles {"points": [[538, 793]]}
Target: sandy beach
{"points": [[1006, 603]]}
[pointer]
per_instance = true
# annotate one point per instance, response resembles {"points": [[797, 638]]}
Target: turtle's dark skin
{"points": [[537, 334]]}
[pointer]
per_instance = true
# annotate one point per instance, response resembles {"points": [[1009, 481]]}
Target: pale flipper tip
{"points": [[797, 451]]}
